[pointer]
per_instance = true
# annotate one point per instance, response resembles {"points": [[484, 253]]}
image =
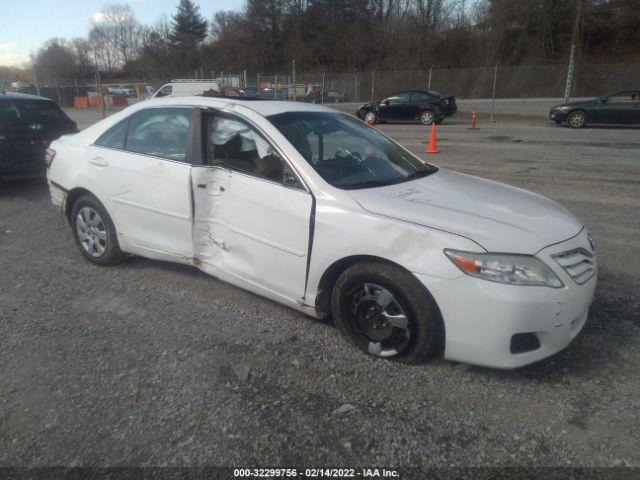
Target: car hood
{"points": [[498, 217], [579, 103]]}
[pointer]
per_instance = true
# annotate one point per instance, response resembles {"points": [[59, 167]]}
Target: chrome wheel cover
{"points": [[577, 120], [91, 231], [426, 118]]}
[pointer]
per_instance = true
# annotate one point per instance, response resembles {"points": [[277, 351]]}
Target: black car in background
{"points": [[425, 106], [28, 124], [619, 108]]}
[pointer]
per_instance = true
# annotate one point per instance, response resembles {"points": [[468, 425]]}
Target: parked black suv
{"points": [[28, 124], [425, 106]]}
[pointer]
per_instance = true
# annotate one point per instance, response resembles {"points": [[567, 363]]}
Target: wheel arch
{"points": [[72, 196], [331, 274]]}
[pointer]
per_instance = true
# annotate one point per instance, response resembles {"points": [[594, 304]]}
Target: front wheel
{"points": [[94, 232], [371, 118], [386, 312], [577, 119], [427, 117]]}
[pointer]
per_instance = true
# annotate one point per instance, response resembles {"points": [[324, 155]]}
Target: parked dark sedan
{"points": [[28, 124], [425, 106], [622, 108]]}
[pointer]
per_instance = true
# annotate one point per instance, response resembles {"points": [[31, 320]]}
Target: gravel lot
{"points": [[152, 364]]}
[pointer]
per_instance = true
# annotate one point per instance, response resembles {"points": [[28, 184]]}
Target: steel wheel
{"points": [[91, 231], [577, 119], [427, 117], [377, 316], [371, 117], [385, 311]]}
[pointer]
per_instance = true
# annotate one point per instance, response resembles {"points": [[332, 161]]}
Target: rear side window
{"points": [[159, 132], [26, 112], [422, 96], [9, 113], [115, 136]]}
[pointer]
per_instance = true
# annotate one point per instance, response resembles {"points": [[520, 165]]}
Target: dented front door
{"points": [[251, 231]]}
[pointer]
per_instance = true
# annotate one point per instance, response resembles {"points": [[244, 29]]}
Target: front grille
{"points": [[577, 263]]}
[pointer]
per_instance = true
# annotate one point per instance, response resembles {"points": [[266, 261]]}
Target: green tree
{"points": [[188, 28]]}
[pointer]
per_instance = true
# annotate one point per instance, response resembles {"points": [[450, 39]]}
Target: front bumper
{"points": [[558, 116], [482, 317]]}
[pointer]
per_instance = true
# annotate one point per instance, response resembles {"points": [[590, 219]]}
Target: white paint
{"points": [[254, 233]]}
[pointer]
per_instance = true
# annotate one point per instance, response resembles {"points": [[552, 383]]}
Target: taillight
{"points": [[69, 125], [4, 125], [49, 155]]}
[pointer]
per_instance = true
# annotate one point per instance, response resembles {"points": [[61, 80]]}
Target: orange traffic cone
{"points": [[432, 148], [473, 118]]}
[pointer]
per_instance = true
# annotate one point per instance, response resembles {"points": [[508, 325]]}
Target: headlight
{"points": [[563, 108], [501, 268]]}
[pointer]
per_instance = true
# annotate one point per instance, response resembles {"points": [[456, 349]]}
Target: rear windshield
{"points": [[31, 111]]}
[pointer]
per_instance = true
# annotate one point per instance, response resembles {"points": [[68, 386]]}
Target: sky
{"points": [[26, 24]]}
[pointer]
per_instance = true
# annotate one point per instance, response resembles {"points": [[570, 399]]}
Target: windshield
{"points": [[347, 153]]}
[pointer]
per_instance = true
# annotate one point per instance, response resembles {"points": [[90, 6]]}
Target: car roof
{"points": [[21, 96], [263, 107]]}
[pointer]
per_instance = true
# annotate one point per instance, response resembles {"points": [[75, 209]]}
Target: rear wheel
{"points": [[386, 312], [94, 232], [427, 117], [577, 119]]}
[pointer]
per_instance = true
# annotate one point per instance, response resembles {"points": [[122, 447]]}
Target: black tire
{"points": [[577, 119], [356, 310], [427, 117], [94, 232]]}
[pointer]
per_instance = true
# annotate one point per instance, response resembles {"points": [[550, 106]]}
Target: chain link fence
{"points": [[524, 81]]}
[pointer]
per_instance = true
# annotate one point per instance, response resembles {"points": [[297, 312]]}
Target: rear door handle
{"points": [[99, 161]]}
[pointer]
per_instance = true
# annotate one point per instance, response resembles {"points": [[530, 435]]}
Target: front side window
{"points": [[400, 97], [159, 132], [347, 153], [165, 91], [235, 145], [624, 97]]}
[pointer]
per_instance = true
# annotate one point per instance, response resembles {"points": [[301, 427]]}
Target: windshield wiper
{"points": [[369, 184], [419, 174]]}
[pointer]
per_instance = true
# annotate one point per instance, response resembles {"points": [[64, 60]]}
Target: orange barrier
{"points": [[432, 148], [94, 101], [80, 102], [119, 101], [473, 118]]}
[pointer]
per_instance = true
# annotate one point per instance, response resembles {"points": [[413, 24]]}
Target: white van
{"points": [[183, 87]]}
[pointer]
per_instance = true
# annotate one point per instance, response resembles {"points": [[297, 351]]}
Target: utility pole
{"points": [[293, 74], [572, 56]]}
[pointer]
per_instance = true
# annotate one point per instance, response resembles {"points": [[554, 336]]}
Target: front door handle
{"points": [[99, 161], [214, 188]]}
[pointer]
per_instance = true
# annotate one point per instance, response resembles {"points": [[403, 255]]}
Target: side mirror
{"points": [[603, 99]]}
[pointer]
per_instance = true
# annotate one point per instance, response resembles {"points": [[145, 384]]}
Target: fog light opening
{"points": [[524, 342]]}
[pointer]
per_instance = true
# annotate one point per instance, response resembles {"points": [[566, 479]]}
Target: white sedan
{"points": [[318, 211]]}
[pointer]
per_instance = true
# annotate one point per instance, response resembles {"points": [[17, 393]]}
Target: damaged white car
{"points": [[316, 210]]}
